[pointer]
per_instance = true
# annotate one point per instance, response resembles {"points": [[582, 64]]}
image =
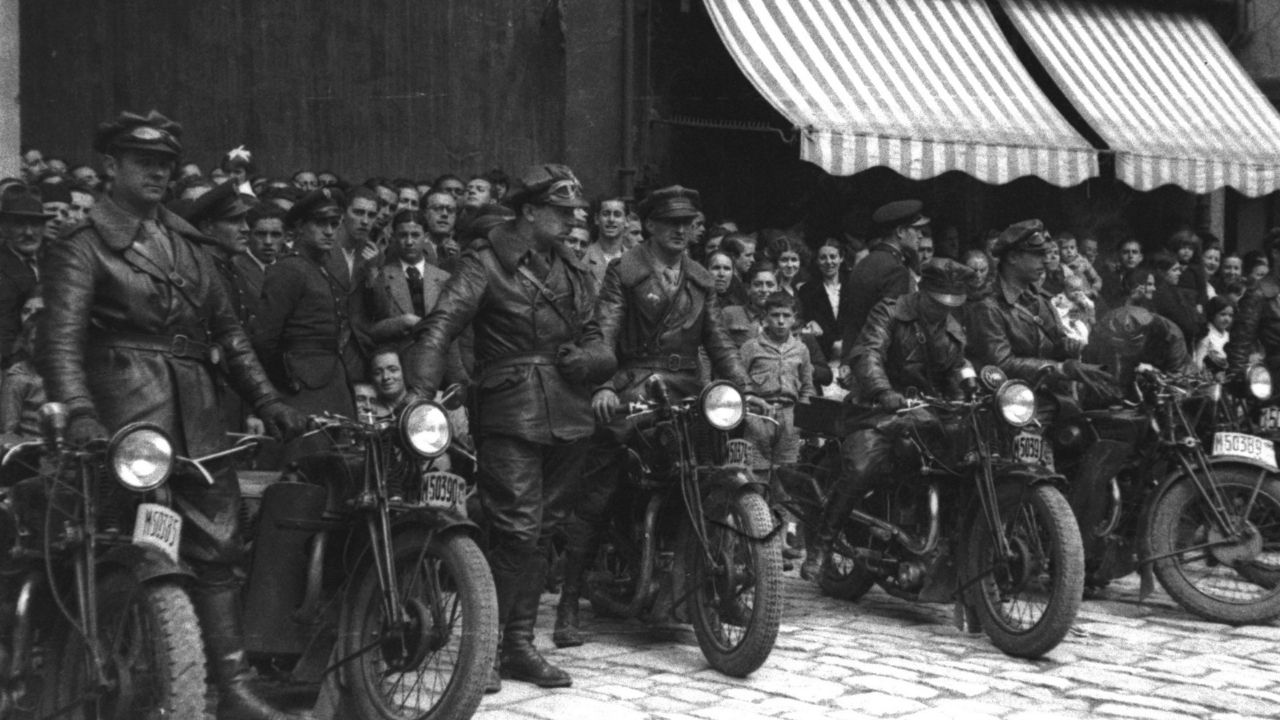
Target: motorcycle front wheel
{"points": [[1027, 602], [434, 662], [736, 602], [1229, 581], [152, 656]]}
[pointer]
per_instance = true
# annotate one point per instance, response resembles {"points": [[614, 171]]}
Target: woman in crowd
{"points": [[820, 299], [1186, 247], [1210, 263], [720, 265], [742, 249], [790, 255], [1231, 270], [1214, 341], [1256, 267]]}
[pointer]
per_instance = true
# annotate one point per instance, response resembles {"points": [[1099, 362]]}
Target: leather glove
{"points": [[282, 421], [1095, 378], [605, 404], [891, 400], [573, 363], [85, 429]]}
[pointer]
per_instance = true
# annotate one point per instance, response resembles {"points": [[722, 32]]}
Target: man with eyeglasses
{"points": [[528, 300], [442, 247]]}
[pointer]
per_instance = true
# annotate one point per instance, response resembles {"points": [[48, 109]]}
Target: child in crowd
{"points": [[1068, 248], [1220, 313], [781, 374], [1076, 309]]}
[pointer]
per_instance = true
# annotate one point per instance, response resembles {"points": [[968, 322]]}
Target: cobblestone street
{"points": [[882, 657]]}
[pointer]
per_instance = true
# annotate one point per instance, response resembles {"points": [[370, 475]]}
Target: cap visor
{"points": [[920, 222], [577, 203], [948, 299]]}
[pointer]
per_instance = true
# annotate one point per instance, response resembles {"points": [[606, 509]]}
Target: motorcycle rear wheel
{"points": [[1028, 604], [1229, 583], [155, 657], [736, 601], [435, 665]]}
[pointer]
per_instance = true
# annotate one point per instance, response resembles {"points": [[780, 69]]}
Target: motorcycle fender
{"points": [[145, 563], [437, 521], [1028, 475], [727, 481]]}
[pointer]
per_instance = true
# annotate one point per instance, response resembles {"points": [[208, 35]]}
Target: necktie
{"points": [[415, 290]]}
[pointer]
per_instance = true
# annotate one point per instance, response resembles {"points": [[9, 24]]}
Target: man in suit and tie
{"points": [[401, 291], [22, 220], [266, 243], [346, 265]]}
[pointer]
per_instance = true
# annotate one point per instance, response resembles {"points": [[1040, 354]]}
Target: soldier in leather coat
{"points": [[657, 309], [137, 324], [1257, 323], [528, 300]]}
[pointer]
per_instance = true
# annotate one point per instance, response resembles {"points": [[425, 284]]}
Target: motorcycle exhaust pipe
{"points": [[901, 536], [643, 591], [1113, 518], [21, 628]]}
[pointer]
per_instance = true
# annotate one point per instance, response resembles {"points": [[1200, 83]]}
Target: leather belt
{"points": [[673, 363], [179, 346], [531, 358]]}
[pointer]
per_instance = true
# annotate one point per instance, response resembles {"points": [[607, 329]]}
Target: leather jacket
{"points": [[645, 329], [884, 273], [897, 350], [1018, 334], [519, 330], [112, 297], [1257, 326]]}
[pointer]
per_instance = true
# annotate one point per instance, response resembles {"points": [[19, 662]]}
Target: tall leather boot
{"points": [[219, 611], [520, 659], [506, 584], [567, 632]]}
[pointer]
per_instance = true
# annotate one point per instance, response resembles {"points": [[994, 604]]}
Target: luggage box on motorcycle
{"points": [[821, 416]]}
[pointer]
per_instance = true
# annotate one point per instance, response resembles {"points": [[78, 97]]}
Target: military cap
{"points": [[130, 131], [486, 218], [947, 281], [900, 213], [548, 184], [19, 201], [322, 204], [221, 203], [672, 202], [1027, 236]]}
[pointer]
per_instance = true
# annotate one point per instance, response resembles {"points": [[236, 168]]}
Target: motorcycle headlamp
{"points": [[1259, 381], [722, 405], [1016, 402], [141, 457], [424, 426]]}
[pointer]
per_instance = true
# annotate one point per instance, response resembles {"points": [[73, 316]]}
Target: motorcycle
{"points": [[96, 620], [689, 534], [974, 515], [366, 575], [1149, 495]]}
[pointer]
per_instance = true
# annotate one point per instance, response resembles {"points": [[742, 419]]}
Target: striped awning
{"points": [[1162, 90], [920, 86]]}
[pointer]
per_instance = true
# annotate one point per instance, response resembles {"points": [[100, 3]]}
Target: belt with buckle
{"points": [[529, 358], [179, 346], [672, 363]]}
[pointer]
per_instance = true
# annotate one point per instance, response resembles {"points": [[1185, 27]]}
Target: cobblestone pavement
{"points": [[885, 658]]}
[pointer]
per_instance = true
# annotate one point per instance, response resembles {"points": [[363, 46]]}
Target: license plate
{"points": [[1027, 448], [445, 491], [1270, 419], [1245, 446], [739, 452], [159, 527]]}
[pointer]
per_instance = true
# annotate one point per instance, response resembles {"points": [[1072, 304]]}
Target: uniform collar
{"points": [[121, 226]]}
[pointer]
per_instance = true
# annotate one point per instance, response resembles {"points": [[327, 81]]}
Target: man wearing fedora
{"points": [[22, 221], [914, 340], [528, 299], [657, 308], [137, 324]]}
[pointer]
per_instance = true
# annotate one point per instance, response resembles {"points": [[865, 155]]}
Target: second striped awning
{"points": [[920, 86], [1163, 91]]}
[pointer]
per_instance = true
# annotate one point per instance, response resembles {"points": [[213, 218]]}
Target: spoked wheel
{"points": [[1233, 580], [1026, 602], [736, 602], [434, 661], [153, 658]]}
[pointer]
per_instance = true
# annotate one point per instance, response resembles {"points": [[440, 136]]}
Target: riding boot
{"points": [[219, 611], [506, 584], [568, 632], [520, 659]]}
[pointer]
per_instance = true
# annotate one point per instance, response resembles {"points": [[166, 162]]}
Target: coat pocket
{"points": [[310, 369]]}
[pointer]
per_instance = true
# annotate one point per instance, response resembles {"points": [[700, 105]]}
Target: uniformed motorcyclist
{"points": [[913, 341], [137, 324]]}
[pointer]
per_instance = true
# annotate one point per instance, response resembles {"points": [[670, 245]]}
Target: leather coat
{"points": [[519, 330], [1257, 326], [884, 273], [647, 330], [897, 349], [1020, 335], [108, 289]]}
